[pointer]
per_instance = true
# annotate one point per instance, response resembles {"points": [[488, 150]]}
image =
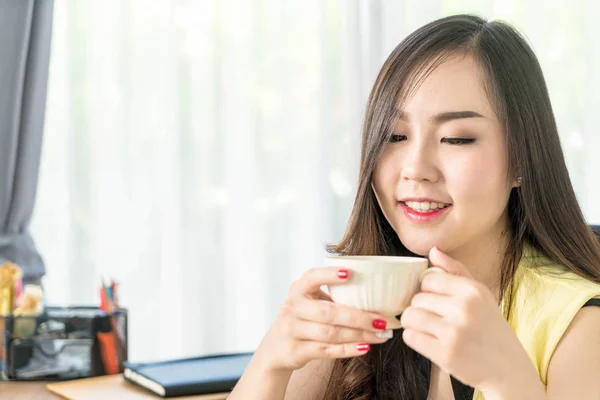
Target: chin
{"points": [[422, 251], [422, 241], [420, 247]]}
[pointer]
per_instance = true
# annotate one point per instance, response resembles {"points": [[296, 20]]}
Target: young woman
{"points": [[461, 163]]}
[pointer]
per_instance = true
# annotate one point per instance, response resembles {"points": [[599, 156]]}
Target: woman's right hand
{"points": [[311, 326]]}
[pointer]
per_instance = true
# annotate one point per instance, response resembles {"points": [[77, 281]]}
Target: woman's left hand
{"points": [[455, 322]]}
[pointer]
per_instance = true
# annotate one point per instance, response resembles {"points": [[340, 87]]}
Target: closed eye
{"points": [[397, 138], [457, 141]]}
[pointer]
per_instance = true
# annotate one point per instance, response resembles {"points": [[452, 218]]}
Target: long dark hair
{"points": [[542, 212]]}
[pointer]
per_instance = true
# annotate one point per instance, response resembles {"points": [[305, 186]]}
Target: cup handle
{"points": [[394, 323], [429, 271]]}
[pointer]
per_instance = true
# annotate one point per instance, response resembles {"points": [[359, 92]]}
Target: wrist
{"points": [[267, 365], [262, 380]]}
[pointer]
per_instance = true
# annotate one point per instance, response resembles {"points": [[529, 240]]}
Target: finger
{"points": [[326, 312], [422, 343], [442, 260], [423, 321], [314, 278], [438, 304], [314, 331], [318, 350], [446, 284]]}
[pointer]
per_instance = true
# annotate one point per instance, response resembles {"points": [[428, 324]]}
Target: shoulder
{"points": [[543, 282], [573, 371], [310, 382], [547, 304]]}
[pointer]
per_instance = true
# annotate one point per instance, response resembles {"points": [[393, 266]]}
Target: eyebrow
{"points": [[444, 117]]}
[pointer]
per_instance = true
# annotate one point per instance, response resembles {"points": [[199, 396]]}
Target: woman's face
{"points": [[443, 178]]}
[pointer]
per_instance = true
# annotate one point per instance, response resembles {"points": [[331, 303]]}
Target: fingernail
{"points": [[387, 334], [363, 347], [342, 273], [379, 324]]}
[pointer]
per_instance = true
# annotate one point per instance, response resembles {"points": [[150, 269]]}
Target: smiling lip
{"points": [[422, 216]]}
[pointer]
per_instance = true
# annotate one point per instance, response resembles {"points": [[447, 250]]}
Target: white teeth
{"points": [[414, 205], [425, 205]]}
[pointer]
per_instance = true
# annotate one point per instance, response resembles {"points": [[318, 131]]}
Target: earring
{"points": [[520, 180]]}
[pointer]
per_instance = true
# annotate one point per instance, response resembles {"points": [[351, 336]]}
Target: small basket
{"points": [[61, 343]]}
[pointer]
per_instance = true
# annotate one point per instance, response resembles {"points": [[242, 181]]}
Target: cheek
{"points": [[479, 182], [385, 178]]}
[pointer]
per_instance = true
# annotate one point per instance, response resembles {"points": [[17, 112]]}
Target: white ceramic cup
{"points": [[381, 284]]}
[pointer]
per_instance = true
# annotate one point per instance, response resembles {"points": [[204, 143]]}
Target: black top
{"points": [[462, 391]]}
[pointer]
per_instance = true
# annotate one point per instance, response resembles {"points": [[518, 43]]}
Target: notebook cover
{"points": [[112, 387], [198, 375]]}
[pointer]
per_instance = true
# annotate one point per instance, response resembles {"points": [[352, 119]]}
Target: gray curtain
{"points": [[25, 30]]}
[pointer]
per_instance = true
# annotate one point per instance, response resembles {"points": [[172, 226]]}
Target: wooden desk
{"points": [[99, 388], [26, 391]]}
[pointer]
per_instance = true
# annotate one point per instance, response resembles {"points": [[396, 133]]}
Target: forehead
{"points": [[457, 84]]}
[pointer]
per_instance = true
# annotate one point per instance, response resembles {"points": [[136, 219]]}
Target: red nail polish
{"points": [[342, 274], [379, 324], [363, 347]]}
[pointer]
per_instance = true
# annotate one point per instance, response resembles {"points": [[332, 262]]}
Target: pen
{"points": [[110, 343]]}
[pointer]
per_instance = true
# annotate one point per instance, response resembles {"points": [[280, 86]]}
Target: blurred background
{"points": [[203, 152]]}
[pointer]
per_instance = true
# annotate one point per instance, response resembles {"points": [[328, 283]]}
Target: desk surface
{"points": [[26, 391], [104, 387]]}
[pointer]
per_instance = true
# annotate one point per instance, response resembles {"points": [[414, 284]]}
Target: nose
{"points": [[419, 163]]}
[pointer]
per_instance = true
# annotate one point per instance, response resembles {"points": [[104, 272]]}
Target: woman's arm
{"points": [[574, 370], [310, 382], [261, 383], [307, 383]]}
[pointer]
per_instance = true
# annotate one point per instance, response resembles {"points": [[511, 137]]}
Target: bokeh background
{"points": [[203, 152]]}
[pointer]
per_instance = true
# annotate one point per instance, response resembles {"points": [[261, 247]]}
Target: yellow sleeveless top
{"points": [[545, 300]]}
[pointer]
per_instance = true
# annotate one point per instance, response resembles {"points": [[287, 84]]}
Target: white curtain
{"points": [[203, 152]]}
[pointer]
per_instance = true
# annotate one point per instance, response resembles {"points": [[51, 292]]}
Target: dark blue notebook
{"points": [[189, 376]]}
